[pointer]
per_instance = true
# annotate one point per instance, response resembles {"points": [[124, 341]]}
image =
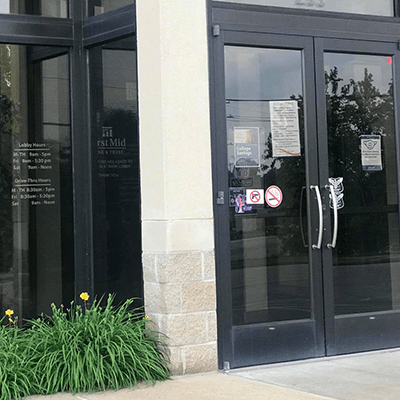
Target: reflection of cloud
{"points": [[370, 7]]}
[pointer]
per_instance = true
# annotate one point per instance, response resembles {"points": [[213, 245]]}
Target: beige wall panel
{"points": [[175, 151], [150, 110]]}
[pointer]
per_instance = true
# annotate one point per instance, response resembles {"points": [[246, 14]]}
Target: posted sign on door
{"points": [[285, 128], [273, 196], [247, 147], [371, 156], [254, 196]]}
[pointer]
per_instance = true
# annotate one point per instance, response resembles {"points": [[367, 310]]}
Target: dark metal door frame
{"points": [[362, 326], [229, 23], [239, 344]]}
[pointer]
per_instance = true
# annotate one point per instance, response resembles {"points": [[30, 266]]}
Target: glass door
{"points": [[307, 199], [268, 220], [358, 160], [268, 162]]}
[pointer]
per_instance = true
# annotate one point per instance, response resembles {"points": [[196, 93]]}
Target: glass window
{"points": [[371, 7], [116, 185], [268, 232], [97, 7], [48, 8], [36, 232], [363, 170]]}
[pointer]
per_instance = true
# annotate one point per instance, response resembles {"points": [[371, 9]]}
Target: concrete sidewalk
{"points": [[363, 376], [209, 386]]}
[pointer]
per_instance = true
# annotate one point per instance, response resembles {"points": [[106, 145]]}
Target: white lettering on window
{"points": [[310, 3]]}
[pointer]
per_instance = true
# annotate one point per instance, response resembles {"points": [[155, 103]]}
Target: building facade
{"points": [[233, 163]]}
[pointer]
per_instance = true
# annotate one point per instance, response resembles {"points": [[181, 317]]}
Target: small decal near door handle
{"points": [[321, 218], [335, 216]]}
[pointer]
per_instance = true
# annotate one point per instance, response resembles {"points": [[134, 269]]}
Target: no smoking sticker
{"points": [[273, 196], [254, 196]]}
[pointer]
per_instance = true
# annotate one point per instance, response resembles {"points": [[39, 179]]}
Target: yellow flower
{"points": [[10, 320], [9, 312], [146, 317], [84, 296]]}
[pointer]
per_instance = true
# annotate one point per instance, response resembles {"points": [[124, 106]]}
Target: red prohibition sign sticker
{"points": [[255, 196], [273, 196]]}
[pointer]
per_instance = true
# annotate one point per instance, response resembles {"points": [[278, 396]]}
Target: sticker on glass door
{"points": [[254, 196], [247, 147], [274, 196], [371, 156], [338, 190]]}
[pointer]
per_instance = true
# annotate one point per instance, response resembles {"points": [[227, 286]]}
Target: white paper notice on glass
{"points": [[285, 128], [371, 155]]}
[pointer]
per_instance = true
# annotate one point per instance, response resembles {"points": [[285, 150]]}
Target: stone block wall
{"points": [[180, 298]]}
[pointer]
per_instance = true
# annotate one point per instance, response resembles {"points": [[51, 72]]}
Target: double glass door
{"points": [[307, 197]]}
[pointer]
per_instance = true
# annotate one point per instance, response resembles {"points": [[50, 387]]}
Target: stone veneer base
{"points": [[180, 297]]}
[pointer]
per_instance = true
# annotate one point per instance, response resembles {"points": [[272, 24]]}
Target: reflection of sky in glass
{"points": [[373, 7], [115, 89], [254, 77], [352, 66], [262, 74]]}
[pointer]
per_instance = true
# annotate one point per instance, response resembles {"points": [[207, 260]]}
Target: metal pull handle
{"points": [[321, 219], [303, 236], [335, 217]]}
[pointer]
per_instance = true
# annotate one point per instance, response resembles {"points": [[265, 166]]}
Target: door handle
{"points": [[332, 245], [303, 236], [321, 217]]}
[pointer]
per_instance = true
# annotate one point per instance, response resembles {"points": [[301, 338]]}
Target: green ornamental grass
{"points": [[81, 349], [16, 378]]}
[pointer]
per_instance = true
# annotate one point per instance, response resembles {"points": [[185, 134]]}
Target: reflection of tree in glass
{"points": [[6, 123], [355, 109], [5, 69], [123, 121], [289, 174], [120, 210]]}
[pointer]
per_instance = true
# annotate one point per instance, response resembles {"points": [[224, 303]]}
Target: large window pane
{"points": [[36, 252], [363, 167], [116, 186]]}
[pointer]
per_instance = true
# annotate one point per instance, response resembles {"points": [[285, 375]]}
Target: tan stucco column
{"points": [[176, 187]]}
